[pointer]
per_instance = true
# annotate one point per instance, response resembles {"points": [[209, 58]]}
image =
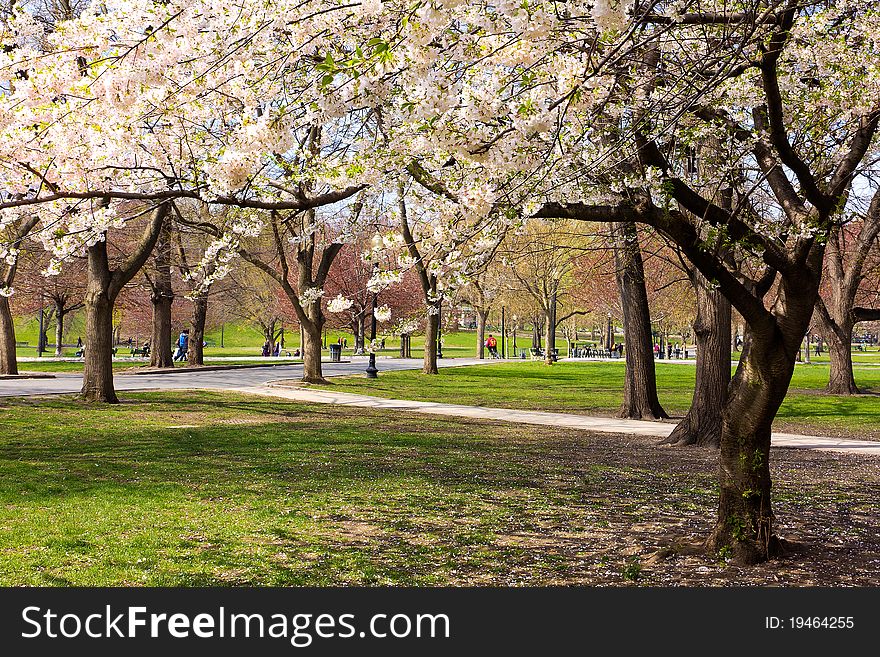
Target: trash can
{"points": [[335, 353]]}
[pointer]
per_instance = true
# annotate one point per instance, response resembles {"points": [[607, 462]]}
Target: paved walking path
{"points": [[568, 420], [185, 378], [259, 381]]}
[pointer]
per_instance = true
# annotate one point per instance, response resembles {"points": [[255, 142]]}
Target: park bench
{"points": [[538, 353], [141, 351], [82, 352]]}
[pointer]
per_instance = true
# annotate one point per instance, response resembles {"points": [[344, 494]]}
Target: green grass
{"points": [[596, 388], [219, 489], [240, 340], [211, 489]]}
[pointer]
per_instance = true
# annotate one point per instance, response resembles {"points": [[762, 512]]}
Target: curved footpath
{"points": [[266, 381]]}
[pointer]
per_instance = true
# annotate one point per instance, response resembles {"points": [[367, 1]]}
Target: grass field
{"points": [[596, 388], [241, 339], [192, 489]]}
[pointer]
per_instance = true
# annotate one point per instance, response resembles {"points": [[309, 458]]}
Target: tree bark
{"points": [[312, 370], [162, 297], [161, 354], [60, 312], [640, 386], [841, 380], [357, 329], [701, 426], [745, 516], [429, 365], [482, 316], [98, 369], [195, 355], [8, 360], [103, 287]]}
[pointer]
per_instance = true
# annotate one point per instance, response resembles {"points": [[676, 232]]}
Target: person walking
{"points": [[182, 345], [492, 345]]}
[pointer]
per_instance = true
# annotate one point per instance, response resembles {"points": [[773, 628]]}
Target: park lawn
{"points": [[130, 366], [596, 388], [199, 488], [71, 366], [241, 340]]}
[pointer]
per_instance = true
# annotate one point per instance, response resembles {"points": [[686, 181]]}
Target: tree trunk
{"points": [[745, 518], [195, 355], [482, 316], [357, 329], [640, 385], [312, 371], [841, 381], [98, 370], [161, 354], [8, 360], [311, 331], [431, 326], [102, 289], [701, 425], [162, 296], [59, 330]]}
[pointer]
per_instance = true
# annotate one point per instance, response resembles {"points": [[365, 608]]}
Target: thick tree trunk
{"points": [[161, 354], [102, 289], [312, 371], [482, 316], [640, 385], [162, 297], [8, 360], [195, 355], [59, 330], [841, 380], [701, 425], [745, 519], [429, 365], [311, 332], [98, 370]]}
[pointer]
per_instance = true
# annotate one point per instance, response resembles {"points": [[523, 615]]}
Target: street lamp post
{"points": [[503, 334], [372, 370]]}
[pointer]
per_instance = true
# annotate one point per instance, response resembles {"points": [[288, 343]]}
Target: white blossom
{"points": [[339, 304], [382, 313]]}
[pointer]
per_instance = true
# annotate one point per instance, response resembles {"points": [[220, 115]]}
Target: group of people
{"points": [[675, 350], [269, 351]]}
